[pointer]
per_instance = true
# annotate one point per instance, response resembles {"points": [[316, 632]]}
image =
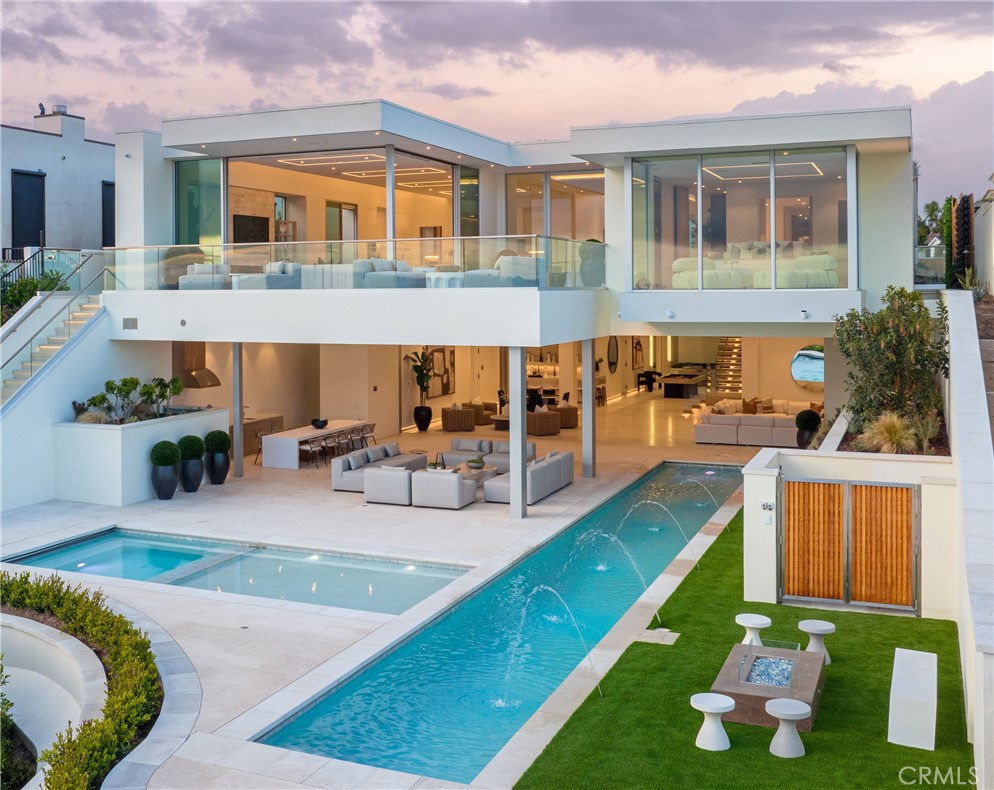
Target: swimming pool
{"points": [[446, 701], [372, 584]]}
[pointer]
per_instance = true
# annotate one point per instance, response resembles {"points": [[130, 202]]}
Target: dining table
{"points": [[281, 450]]}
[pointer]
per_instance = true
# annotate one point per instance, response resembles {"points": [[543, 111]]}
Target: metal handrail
{"points": [[57, 289], [78, 293], [8, 278]]}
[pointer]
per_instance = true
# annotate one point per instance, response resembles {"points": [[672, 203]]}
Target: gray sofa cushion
{"points": [[441, 489], [387, 485], [376, 453]]}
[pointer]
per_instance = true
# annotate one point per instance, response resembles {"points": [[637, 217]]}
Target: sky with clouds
{"points": [[517, 70]]}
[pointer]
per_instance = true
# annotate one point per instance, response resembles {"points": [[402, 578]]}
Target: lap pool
{"points": [[371, 584], [444, 702]]}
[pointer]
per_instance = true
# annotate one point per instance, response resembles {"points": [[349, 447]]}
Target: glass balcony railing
{"points": [[541, 262], [930, 265]]}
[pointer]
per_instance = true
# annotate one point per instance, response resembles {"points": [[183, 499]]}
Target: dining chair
{"points": [[312, 448], [355, 438], [258, 443], [367, 433], [343, 442]]}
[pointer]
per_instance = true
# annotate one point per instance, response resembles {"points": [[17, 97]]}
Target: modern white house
{"points": [[58, 185], [300, 254]]}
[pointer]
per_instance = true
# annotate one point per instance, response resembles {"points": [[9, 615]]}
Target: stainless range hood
{"points": [[190, 365]]}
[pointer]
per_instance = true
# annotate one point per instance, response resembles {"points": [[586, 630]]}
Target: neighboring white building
{"points": [[55, 181]]}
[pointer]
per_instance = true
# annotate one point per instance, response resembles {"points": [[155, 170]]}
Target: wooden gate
{"points": [[850, 542]]}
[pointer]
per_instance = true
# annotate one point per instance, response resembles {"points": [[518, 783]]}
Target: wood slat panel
{"points": [[814, 522], [882, 545]]}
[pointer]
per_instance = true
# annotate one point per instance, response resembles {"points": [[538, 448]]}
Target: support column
{"points": [[516, 392], [391, 190], [587, 429], [237, 422], [567, 372]]}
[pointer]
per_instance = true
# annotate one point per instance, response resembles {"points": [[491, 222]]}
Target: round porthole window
{"points": [[807, 367]]}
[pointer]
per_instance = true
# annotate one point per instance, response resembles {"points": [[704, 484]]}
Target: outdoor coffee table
{"points": [[478, 476]]}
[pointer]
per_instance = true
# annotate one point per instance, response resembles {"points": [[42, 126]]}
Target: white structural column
{"points": [[391, 189], [567, 372], [589, 411], [237, 409], [516, 385]]}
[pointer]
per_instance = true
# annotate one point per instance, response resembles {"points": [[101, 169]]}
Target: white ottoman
{"points": [[712, 736], [786, 742], [817, 630], [753, 624]]}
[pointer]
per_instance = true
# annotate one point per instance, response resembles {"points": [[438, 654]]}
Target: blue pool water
{"points": [[352, 582], [808, 366], [447, 700]]}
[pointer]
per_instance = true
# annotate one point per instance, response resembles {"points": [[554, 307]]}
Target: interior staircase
{"points": [[728, 370], [43, 348]]}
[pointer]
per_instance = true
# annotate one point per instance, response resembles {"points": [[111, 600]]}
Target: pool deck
{"points": [[255, 660]]}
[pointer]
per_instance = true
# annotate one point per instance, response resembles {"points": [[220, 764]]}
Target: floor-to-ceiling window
{"points": [[198, 202], [525, 204], [722, 233]]}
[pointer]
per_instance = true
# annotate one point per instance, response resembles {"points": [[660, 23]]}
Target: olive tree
{"points": [[895, 356]]}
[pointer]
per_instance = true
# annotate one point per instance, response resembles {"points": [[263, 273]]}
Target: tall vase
{"points": [[422, 417], [191, 474], [164, 481], [218, 465]]}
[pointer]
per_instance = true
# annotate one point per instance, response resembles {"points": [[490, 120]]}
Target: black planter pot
{"points": [[164, 481], [191, 474], [422, 417], [218, 465], [804, 438]]}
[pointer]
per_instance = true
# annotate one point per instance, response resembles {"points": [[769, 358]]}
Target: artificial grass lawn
{"points": [[641, 734]]}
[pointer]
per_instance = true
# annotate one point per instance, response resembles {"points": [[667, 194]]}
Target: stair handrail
{"points": [[78, 293], [57, 289], [11, 276]]}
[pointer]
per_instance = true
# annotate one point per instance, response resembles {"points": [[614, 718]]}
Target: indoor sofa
{"points": [[542, 423], [275, 276], [747, 265], [205, 277], [495, 454], [382, 273], [543, 477], [730, 424], [347, 470], [508, 271]]}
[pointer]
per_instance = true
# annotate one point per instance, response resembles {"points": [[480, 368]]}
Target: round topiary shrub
{"points": [[217, 442], [165, 453], [807, 420], [191, 448]]}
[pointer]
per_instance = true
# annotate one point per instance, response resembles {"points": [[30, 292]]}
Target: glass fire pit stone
{"points": [[768, 662]]}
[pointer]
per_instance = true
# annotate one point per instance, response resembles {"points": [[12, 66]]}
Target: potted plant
{"points": [[165, 457], [191, 465], [807, 422], [217, 444], [421, 365]]}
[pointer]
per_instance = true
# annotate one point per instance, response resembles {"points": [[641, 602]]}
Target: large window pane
{"points": [[525, 213], [735, 225], [423, 197], [811, 218], [664, 215], [577, 205], [198, 202], [469, 201]]}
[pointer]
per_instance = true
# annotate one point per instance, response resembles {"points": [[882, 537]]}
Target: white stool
{"points": [[753, 624], [712, 736], [786, 742], [817, 630]]}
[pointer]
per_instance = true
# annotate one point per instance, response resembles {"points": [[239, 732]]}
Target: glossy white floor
{"points": [[258, 658]]}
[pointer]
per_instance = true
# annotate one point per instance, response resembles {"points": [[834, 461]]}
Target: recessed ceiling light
{"points": [[295, 139], [203, 146], [427, 147], [377, 134]]}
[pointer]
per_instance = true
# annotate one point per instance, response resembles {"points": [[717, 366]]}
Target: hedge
{"points": [[81, 758]]}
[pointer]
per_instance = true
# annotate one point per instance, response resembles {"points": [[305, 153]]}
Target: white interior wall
{"points": [[696, 349], [766, 368], [361, 382], [277, 378]]}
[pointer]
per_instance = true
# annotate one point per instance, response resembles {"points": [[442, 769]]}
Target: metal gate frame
{"points": [[847, 543]]}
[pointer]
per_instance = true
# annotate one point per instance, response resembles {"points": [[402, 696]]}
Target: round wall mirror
{"points": [[808, 368], [612, 354]]}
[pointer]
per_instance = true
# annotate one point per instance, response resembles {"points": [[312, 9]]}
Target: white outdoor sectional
{"points": [[348, 471], [544, 476]]}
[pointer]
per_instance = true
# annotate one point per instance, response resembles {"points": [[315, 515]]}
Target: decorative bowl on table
{"points": [[475, 463], [319, 423]]}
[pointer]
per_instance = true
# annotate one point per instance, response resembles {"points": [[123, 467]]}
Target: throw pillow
{"points": [[551, 454], [471, 445], [403, 266], [357, 461], [541, 408], [380, 265], [764, 406], [718, 408], [749, 406], [477, 400], [392, 449], [376, 453], [455, 406]]}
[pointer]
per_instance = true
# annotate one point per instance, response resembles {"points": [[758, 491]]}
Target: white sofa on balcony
{"points": [[205, 277]]}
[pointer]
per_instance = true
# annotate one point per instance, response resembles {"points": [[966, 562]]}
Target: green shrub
{"points": [[17, 768], [895, 356], [889, 433], [20, 291], [191, 448], [165, 453], [81, 758], [217, 442], [807, 420]]}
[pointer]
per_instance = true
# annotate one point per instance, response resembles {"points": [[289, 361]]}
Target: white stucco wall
{"points": [[983, 237], [74, 170], [886, 224], [145, 200]]}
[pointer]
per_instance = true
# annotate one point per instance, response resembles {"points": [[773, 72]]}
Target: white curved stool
{"points": [[753, 624], [786, 742], [712, 736], [817, 630]]}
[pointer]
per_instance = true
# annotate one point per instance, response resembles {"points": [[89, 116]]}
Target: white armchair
{"points": [[440, 488]]}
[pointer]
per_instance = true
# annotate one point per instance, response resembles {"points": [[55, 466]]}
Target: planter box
{"points": [[109, 464]]}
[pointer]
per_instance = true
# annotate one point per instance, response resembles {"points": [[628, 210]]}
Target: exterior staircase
{"points": [[45, 346], [728, 370]]}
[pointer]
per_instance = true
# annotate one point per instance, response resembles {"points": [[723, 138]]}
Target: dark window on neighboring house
{"points": [[108, 234], [27, 209]]}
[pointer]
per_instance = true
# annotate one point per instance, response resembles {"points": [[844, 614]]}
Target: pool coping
{"points": [[233, 744]]}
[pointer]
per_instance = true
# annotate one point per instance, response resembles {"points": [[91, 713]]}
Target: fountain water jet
{"points": [[706, 489], [588, 536], [697, 561]]}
